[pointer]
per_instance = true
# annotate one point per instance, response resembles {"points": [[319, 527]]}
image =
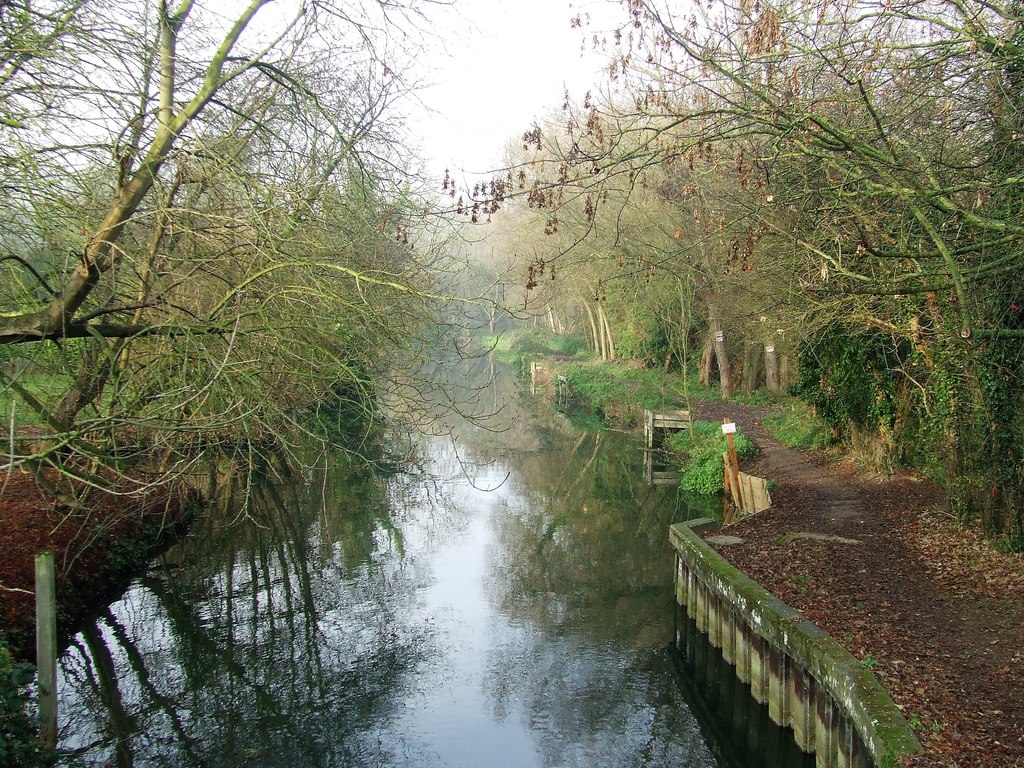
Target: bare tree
{"points": [[217, 227]]}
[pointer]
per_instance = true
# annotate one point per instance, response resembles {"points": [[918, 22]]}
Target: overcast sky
{"points": [[501, 65]]}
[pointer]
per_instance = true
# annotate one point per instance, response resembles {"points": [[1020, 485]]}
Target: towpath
{"points": [[935, 611]]}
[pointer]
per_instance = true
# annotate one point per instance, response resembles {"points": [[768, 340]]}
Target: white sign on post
{"points": [[729, 428], [720, 336]]}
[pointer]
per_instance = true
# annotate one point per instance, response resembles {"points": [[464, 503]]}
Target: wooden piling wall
{"points": [[834, 706]]}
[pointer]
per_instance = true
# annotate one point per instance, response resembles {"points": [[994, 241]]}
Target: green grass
{"points": [[46, 388], [699, 454], [798, 427], [531, 343], [586, 421], [574, 346], [500, 346], [619, 393]]}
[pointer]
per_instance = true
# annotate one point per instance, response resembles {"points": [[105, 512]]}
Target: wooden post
{"points": [[735, 464], [771, 368], [46, 648]]}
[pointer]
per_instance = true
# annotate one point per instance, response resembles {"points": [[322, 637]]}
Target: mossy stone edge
{"points": [[886, 734]]}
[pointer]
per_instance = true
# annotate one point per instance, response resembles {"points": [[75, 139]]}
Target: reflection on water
{"points": [[505, 602]]}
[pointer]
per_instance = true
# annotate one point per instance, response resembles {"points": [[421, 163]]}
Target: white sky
{"points": [[508, 63]]}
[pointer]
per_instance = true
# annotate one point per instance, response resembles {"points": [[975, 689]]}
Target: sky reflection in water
{"points": [[413, 620]]}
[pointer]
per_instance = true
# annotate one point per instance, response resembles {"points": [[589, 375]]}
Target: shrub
{"points": [[19, 732], [593, 389], [619, 393], [700, 453], [531, 343], [567, 345]]}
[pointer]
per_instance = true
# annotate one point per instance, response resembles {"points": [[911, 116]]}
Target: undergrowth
{"points": [[618, 393], [19, 730], [799, 427], [699, 453], [531, 343]]}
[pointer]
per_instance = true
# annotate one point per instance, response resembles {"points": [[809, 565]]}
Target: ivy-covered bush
{"points": [[949, 407], [848, 376], [19, 732]]}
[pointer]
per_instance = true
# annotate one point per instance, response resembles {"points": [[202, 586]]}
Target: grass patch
{"points": [[531, 343], [574, 346], [500, 346], [697, 389], [619, 393], [699, 453], [798, 427], [45, 387], [586, 421]]}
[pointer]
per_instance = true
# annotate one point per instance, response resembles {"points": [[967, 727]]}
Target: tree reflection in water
{"points": [[275, 639], [504, 600]]}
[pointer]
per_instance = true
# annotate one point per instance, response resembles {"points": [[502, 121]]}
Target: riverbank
{"points": [[934, 610], [97, 548]]}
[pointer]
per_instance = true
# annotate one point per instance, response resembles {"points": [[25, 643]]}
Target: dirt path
{"points": [[934, 611]]}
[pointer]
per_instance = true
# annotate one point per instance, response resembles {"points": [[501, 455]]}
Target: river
{"points": [[501, 598]]}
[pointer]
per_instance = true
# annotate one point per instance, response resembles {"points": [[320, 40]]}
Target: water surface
{"points": [[503, 600]]}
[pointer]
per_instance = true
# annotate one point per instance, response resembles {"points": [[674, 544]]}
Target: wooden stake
{"points": [[46, 648], [735, 464], [771, 368]]}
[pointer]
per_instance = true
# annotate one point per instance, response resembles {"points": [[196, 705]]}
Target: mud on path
{"points": [[933, 610]]}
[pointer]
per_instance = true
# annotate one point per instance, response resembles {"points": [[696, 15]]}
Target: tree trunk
{"points": [[99, 253], [593, 328], [718, 340], [595, 345], [787, 371], [93, 373], [771, 368], [751, 366], [609, 340], [706, 356]]}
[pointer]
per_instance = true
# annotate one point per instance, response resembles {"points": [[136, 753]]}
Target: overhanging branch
{"points": [[80, 330]]}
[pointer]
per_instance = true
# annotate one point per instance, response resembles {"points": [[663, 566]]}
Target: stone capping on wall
{"points": [[836, 707]]}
